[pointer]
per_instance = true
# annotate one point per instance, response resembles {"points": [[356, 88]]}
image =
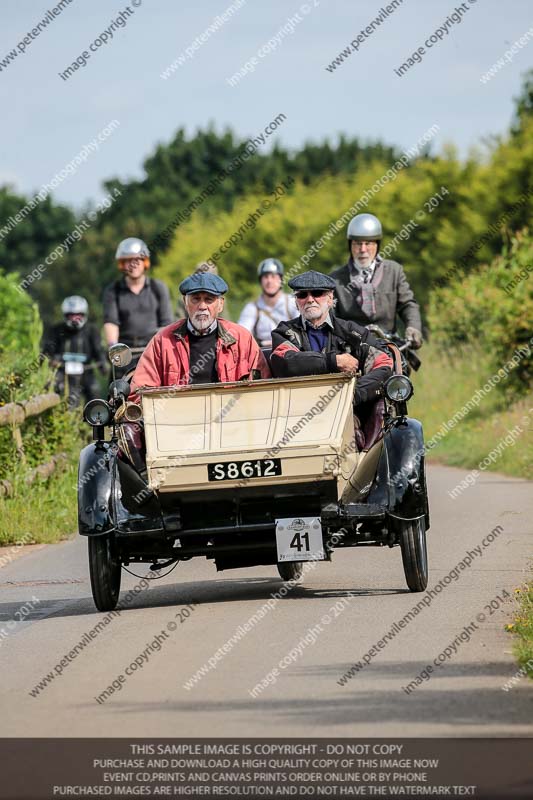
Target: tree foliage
{"points": [[489, 199], [174, 174]]}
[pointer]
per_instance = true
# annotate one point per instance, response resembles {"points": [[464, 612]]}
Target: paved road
{"points": [[364, 587]]}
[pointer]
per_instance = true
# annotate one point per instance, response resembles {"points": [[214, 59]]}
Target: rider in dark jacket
{"points": [[80, 339]]}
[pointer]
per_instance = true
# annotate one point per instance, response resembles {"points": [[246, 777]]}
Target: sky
{"points": [[48, 120]]}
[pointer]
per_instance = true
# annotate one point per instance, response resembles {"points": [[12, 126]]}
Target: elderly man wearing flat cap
{"points": [[202, 348], [316, 342]]}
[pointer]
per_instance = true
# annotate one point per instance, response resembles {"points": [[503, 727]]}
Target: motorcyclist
{"points": [[75, 348], [371, 289], [273, 305], [135, 306]]}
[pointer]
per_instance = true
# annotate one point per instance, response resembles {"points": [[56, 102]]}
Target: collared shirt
{"points": [[138, 316], [355, 269], [192, 329]]}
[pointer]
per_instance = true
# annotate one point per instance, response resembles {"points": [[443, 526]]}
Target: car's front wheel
{"points": [[291, 570], [414, 554], [105, 571]]}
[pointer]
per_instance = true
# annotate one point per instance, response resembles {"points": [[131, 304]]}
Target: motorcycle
{"points": [[410, 359], [71, 377], [126, 371]]}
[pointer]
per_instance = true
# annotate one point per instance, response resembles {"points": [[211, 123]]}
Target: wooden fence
{"points": [[15, 414]]}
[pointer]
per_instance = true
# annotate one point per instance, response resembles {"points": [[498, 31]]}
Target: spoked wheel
{"points": [[105, 571], [414, 554], [291, 570]]}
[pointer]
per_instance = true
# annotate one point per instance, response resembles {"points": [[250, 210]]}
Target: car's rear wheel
{"points": [[105, 571], [291, 570], [414, 554]]}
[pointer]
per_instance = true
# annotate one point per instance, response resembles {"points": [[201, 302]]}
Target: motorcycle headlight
{"points": [[398, 388], [97, 412]]}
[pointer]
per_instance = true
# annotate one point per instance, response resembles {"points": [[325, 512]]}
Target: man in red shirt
{"points": [[202, 348]]}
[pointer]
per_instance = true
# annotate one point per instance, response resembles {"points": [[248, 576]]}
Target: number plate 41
{"points": [[299, 539]]}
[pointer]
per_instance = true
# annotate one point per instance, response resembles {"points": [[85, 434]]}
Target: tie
{"points": [[366, 274]]}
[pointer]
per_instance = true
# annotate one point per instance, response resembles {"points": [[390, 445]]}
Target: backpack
{"points": [[265, 311]]}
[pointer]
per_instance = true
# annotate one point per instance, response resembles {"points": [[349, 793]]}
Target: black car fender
{"points": [[400, 483], [95, 477]]}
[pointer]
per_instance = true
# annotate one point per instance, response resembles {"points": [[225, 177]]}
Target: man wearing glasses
{"points": [[317, 342], [374, 290], [135, 306]]}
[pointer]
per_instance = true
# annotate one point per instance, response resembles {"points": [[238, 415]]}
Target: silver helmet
{"points": [[75, 305], [365, 227], [131, 248], [270, 265]]}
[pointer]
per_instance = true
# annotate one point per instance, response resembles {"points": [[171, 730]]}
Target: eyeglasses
{"points": [[301, 295]]}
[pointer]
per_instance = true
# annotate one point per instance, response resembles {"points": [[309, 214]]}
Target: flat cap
{"points": [[311, 280], [204, 282]]}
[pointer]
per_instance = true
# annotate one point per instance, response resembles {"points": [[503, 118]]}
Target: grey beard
{"points": [[203, 324]]}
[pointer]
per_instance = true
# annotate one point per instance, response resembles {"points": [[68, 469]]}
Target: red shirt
{"points": [[166, 360]]}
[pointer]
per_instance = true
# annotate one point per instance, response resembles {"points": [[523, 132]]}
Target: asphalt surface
{"points": [[355, 600]]}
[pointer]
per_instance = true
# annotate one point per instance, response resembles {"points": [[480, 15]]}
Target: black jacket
{"points": [[62, 339], [344, 337]]}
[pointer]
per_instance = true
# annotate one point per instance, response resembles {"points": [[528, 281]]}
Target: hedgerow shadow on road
{"points": [[342, 708]]}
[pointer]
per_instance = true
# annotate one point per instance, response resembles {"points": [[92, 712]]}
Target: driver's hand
{"points": [[347, 363], [413, 336]]}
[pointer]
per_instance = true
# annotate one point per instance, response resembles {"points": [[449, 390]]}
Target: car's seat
{"points": [[267, 352]]}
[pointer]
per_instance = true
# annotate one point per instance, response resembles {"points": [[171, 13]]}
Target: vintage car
{"points": [[250, 473]]}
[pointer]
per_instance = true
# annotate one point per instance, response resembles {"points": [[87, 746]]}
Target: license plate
{"points": [[299, 539], [244, 470], [73, 368]]}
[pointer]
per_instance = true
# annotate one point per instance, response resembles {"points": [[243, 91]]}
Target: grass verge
{"points": [[47, 510], [522, 627], [442, 389]]}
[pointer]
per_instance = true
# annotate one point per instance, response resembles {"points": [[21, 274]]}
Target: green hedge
{"points": [[24, 373], [493, 306]]}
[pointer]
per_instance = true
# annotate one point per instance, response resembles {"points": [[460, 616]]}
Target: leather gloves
{"points": [[414, 336]]}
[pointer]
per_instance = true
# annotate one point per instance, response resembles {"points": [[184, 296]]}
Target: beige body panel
{"points": [[306, 422]]}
